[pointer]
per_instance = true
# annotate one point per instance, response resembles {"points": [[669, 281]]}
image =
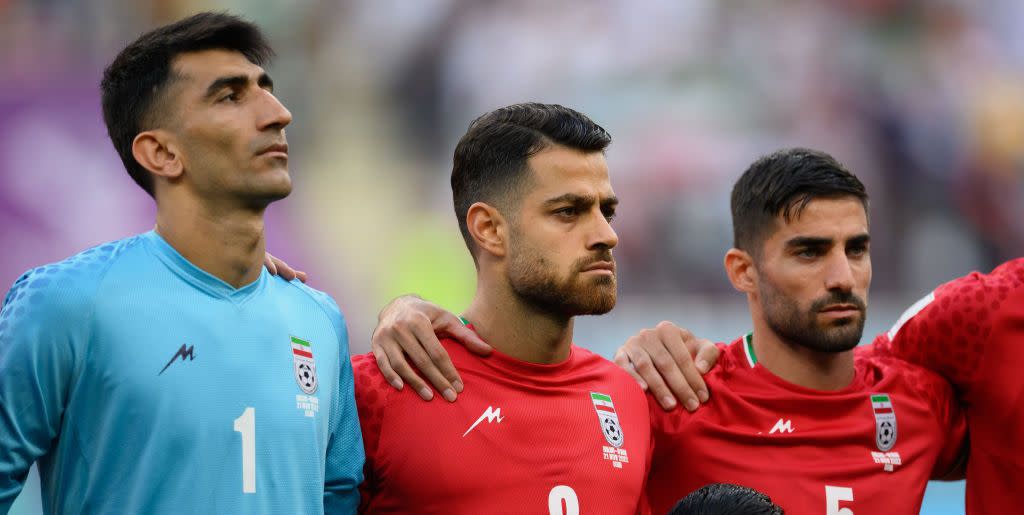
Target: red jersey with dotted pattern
{"points": [[522, 438], [971, 331], [868, 448]]}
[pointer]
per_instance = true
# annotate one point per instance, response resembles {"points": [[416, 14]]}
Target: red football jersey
{"points": [[568, 438], [868, 448], [971, 331]]}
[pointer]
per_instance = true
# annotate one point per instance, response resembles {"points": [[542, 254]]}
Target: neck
{"points": [[517, 329], [226, 243], [826, 371]]}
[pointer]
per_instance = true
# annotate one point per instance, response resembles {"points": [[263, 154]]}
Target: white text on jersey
{"points": [[490, 414]]}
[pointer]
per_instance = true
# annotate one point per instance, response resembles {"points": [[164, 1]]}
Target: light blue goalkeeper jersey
{"points": [[144, 385]]}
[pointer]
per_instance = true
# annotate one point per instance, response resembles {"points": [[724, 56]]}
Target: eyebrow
{"points": [[237, 81], [573, 198], [812, 241]]}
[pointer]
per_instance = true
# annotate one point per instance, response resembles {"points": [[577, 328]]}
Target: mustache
{"points": [[604, 255], [839, 297]]}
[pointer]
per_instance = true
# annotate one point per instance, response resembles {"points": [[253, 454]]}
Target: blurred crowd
{"points": [[924, 100]]}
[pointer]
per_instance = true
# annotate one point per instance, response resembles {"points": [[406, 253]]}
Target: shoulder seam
{"points": [[326, 312]]}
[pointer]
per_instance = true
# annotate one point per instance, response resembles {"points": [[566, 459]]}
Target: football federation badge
{"points": [[608, 418], [885, 421], [305, 369]]}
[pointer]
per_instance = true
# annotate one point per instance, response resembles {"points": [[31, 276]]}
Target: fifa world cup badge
{"points": [[608, 418], [305, 369], [885, 421]]}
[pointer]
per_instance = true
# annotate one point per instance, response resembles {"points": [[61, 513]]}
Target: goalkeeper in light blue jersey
{"points": [[169, 373]]}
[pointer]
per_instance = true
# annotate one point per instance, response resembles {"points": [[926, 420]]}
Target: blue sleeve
{"points": [[40, 327], [345, 454]]}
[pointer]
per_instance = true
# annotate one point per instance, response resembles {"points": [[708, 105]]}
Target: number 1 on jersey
{"points": [[246, 424]]}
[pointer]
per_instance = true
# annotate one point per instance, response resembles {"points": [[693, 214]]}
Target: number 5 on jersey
{"points": [[833, 496], [246, 424]]}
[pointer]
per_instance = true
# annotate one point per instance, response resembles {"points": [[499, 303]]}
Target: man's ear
{"points": [[739, 266], [157, 151], [488, 228]]}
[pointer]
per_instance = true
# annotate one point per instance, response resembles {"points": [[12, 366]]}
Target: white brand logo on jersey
{"points": [[888, 460], [782, 426], [490, 414]]}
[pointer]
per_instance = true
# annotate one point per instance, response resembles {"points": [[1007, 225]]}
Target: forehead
{"points": [[199, 69], [836, 218], [558, 169]]}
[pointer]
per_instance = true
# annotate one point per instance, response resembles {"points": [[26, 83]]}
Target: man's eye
{"points": [[230, 97], [808, 253], [566, 211], [857, 251]]}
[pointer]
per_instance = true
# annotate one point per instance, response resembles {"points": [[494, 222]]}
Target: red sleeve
{"points": [[372, 392], [951, 461], [948, 330]]}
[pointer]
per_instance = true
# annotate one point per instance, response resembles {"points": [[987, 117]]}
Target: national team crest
{"points": [[885, 421], [305, 368], [609, 420]]}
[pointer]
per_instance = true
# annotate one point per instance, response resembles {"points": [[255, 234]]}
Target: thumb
{"points": [[707, 356]]}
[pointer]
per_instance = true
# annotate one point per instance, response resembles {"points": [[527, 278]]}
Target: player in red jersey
{"points": [[971, 331], [543, 426], [795, 415]]}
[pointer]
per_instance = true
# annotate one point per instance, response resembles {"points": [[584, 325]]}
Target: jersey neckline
{"points": [[198, 277], [502, 360], [742, 351]]}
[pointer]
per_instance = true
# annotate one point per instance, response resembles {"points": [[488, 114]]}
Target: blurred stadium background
{"points": [[924, 100]]}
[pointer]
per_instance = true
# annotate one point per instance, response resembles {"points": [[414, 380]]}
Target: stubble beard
{"points": [[799, 327], [535, 281]]}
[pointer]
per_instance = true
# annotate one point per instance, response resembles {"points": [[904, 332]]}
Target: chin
{"points": [[595, 303]]}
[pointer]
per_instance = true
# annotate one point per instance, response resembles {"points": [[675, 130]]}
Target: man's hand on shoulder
{"points": [[408, 328], [669, 361]]}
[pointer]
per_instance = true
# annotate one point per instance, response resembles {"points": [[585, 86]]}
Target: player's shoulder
{"points": [[591, 361], [306, 292], [316, 299], [882, 370], [69, 286], [601, 371], [981, 289], [365, 370], [732, 356]]}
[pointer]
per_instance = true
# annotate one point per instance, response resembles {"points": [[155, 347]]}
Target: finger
{"points": [[285, 271], [678, 342], [268, 261], [655, 384], [401, 366], [665, 363], [384, 365], [707, 355], [622, 360], [414, 349], [302, 276], [439, 357], [452, 326]]}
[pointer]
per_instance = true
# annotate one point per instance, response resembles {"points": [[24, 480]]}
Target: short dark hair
{"points": [[726, 499], [490, 159], [784, 182], [135, 82]]}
